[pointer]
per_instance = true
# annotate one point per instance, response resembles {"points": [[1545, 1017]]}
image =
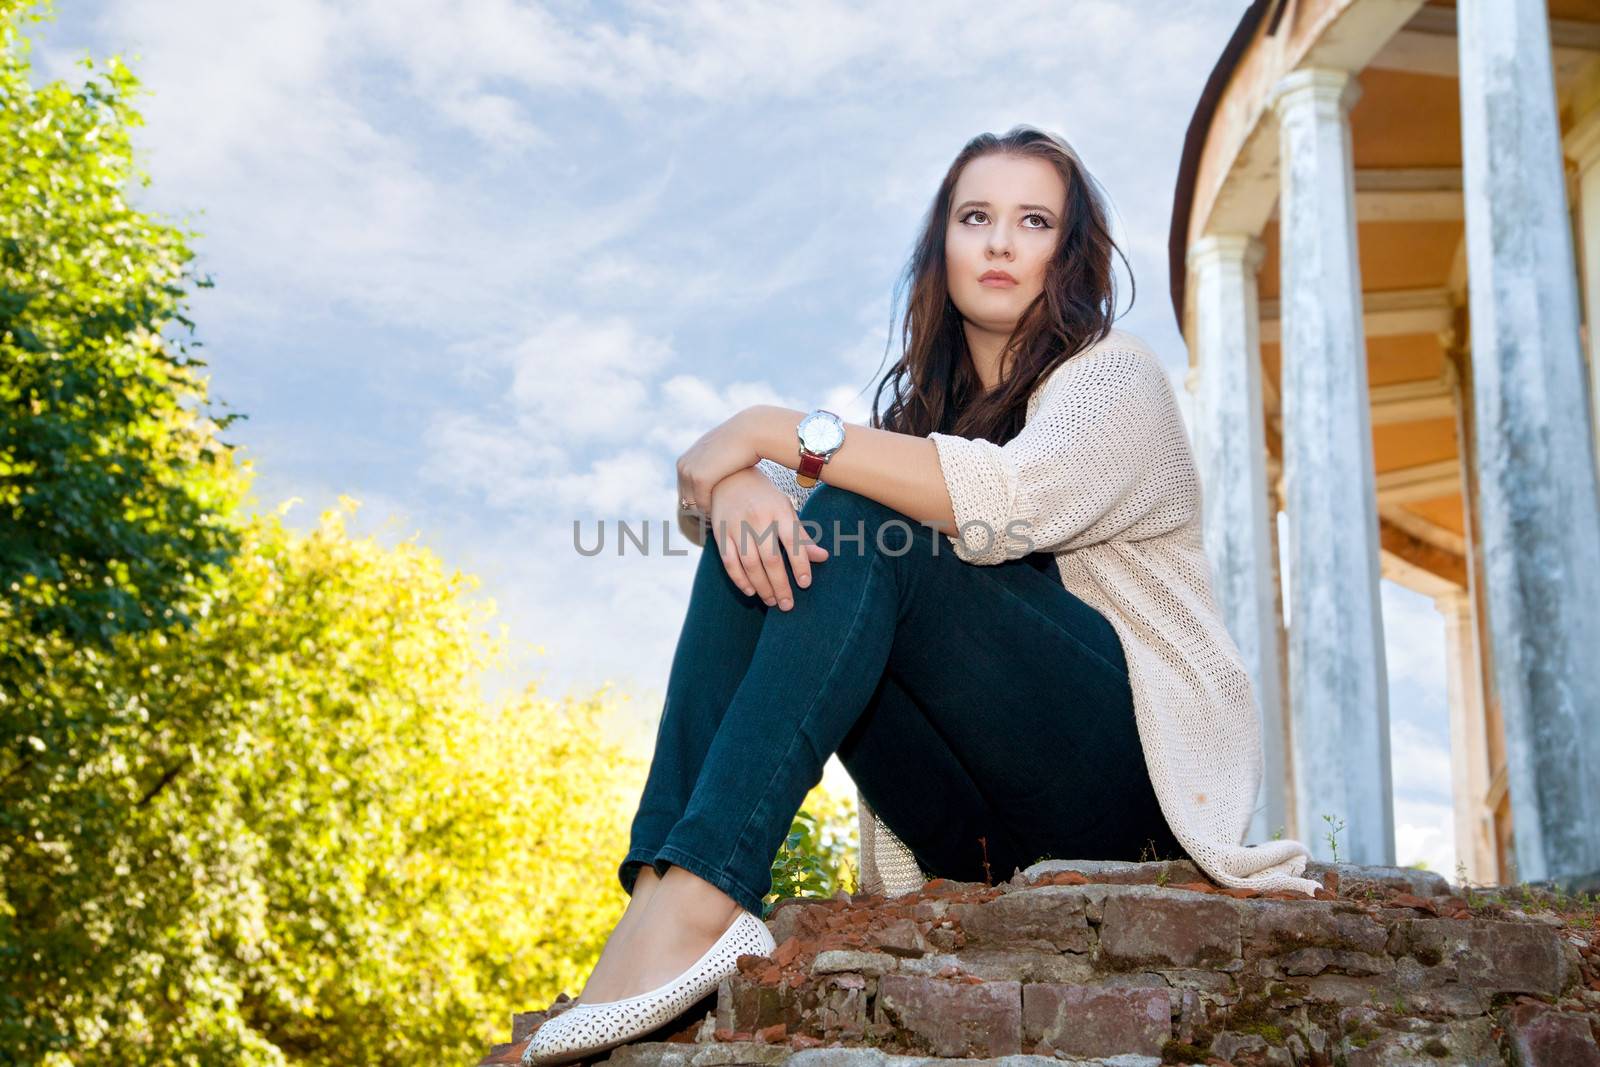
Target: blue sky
{"points": [[490, 267]]}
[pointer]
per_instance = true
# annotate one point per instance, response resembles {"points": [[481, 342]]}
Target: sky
{"points": [[490, 267]]}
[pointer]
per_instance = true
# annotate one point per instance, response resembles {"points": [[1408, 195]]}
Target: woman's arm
{"points": [[1104, 457], [896, 469], [784, 479]]}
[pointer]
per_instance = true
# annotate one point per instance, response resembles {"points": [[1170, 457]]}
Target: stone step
{"points": [[1144, 963], [665, 1054]]}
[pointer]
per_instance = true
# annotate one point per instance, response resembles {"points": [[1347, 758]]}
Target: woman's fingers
{"points": [[780, 540], [728, 547], [794, 543], [755, 552], [802, 552], [742, 559], [753, 555], [778, 579]]}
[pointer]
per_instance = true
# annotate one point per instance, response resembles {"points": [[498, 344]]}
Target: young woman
{"points": [[998, 611]]}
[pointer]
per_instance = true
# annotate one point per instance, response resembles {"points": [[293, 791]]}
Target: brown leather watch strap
{"points": [[810, 469]]}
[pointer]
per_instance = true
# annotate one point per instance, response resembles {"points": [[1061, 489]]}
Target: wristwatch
{"points": [[821, 434]]}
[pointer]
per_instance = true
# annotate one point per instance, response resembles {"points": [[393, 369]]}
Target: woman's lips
{"points": [[996, 281]]}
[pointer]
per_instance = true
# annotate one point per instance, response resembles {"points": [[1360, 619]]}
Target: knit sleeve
{"points": [[1104, 456], [784, 479]]}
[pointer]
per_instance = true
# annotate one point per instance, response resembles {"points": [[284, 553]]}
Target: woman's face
{"points": [[1005, 212]]}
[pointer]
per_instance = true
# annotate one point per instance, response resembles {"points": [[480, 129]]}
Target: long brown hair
{"points": [[934, 386]]}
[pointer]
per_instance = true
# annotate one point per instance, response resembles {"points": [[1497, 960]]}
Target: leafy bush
{"points": [[816, 859]]}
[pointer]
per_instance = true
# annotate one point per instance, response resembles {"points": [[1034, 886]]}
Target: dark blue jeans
{"points": [[983, 712]]}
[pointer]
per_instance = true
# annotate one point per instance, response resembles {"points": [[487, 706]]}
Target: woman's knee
{"points": [[850, 521], [832, 501]]}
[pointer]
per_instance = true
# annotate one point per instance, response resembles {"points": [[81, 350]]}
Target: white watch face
{"points": [[821, 433]]}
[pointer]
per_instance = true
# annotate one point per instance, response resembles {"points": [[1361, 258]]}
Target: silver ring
{"points": [[686, 505]]}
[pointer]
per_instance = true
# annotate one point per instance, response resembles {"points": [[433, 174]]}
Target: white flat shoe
{"points": [[586, 1029]]}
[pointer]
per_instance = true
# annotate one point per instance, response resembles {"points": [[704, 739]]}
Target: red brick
{"points": [[1051, 918], [1170, 930], [1544, 1038], [953, 1018], [1096, 1020]]}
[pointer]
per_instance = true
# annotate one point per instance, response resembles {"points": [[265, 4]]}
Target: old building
{"points": [[1385, 243]]}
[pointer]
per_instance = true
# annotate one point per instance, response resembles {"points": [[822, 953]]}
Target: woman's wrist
{"points": [[770, 431]]}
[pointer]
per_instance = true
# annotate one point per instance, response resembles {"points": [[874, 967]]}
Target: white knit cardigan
{"points": [[1102, 475]]}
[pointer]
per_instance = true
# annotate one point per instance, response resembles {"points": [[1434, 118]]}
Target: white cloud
{"points": [[720, 52], [578, 379], [1421, 761], [521, 463], [497, 121], [1414, 632], [1425, 831], [587, 424], [546, 247], [317, 105], [632, 484]]}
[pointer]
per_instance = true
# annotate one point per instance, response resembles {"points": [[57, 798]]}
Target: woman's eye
{"points": [[1044, 223]]}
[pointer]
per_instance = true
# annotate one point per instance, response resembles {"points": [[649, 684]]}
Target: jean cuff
{"points": [[745, 898], [628, 878]]}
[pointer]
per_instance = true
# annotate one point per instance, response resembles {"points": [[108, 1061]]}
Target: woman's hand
{"points": [[722, 450], [745, 505]]}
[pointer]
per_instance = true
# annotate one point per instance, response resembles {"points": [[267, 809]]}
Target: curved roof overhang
{"points": [[1194, 143]]}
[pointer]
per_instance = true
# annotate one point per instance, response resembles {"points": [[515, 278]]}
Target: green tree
{"points": [[113, 486], [327, 849], [254, 807]]}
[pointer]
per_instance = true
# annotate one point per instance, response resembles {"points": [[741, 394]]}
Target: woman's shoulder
{"points": [[1118, 339], [1118, 346]]}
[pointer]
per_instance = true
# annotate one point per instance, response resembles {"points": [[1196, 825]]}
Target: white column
{"points": [[1469, 754], [1233, 474], [1583, 145], [1280, 633], [1540, 505], [1338, 693]]}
